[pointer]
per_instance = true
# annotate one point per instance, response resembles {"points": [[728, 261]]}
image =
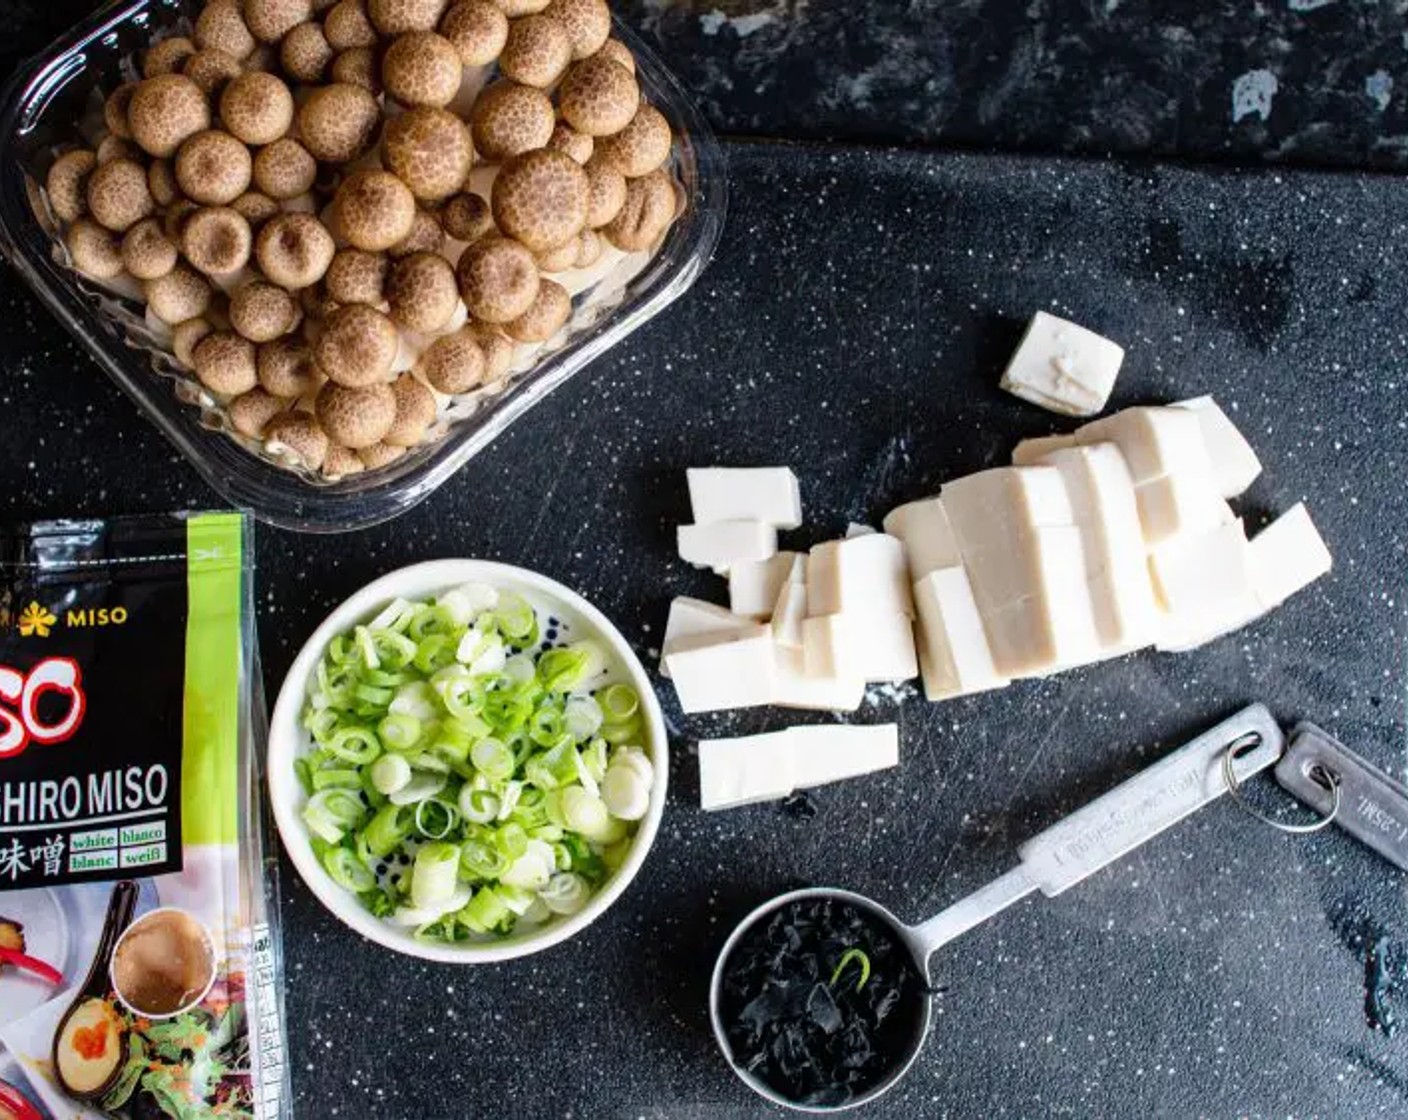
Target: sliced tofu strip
{"points": [[1204, 586], [1063, 367], [753, 586], [693, 623], [986, 509], [1234, 463], [1183, 504], [834, 752], [1155, 441], [795, 689], [790, 611], [767, 494], [722, 544], [923, 529], [745, 770], [954, 657], [1032, 451], [1107, 515], [734, 674], [868, 647], [859, 575], [1287, 556]]}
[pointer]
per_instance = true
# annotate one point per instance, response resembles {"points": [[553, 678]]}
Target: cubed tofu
{"points": [[790, 611], [860, 575], [868, 647], [923, 529], [753, 585], [988, 508], [1286, 556], [1063, 367], [1234, 463], [722, 544], [735, 674], [693, 623], [1155, 441], [745, 770], [1203, 574], [1183, 504], [795, 689], [767, 494], [823, 753], [954, 657], [1031, 452]]}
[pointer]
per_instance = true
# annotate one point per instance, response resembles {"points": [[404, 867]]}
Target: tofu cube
{"points": [[859, 575], [767, 494], [1180, 505], [1031, 452], [745, 770], [954, 657], [985, 510], [734, 674], [834, 752], [924, 530], [790, 611], [795, 689], [722, 544], [868, 647], [1063, 367], [693, 623], [1234, 464], [754, 585], [1286, 556], [1154, 441], [1205, 576]]}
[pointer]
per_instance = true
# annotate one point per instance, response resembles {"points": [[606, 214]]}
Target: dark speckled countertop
{"points": [[853, 326]]}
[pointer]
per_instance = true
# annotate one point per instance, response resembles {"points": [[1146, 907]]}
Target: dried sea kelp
{"points": [[817, 1030]]}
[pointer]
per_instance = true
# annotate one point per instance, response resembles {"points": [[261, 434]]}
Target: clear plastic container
{"points": [[46, 105]]}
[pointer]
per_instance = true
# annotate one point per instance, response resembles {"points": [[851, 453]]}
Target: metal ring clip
{"points": [[1330, 780]]}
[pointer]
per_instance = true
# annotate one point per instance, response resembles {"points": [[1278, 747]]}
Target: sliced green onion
{"points": [[399, 732], [621, 734], [582, 812], [420, 787], [481, 860], [478, 805], [619, 702], [429, 621], [492, 759], [511, 840], [515, 617], [347, 872], [336, 779], [581, 717], [435, 653], [387, 829], [434, 875], [532, 870], [565, 669], [565, 893], [485, 912], [862, 960], [357, 745], [393, 616], [331, 813], [626, 790], [416, 699], [435, 819]]}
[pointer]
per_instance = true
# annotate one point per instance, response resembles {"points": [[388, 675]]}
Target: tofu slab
{"points": [[924, 530], [720, 545], [1234, 463], [767, 494], [1063, 366], [868, 647], [753, 585], [954, 656], [859, 575], [734, 674], [693, 623]]}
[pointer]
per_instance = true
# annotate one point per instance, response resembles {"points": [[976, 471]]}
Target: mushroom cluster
{"points": [[346, 213]]}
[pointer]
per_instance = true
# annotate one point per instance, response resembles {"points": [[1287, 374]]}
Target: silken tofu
{"points": [[1155, 441], [693, 623], [954, 656], [753, 585], [923, 529], [1030, 452], [859, 575], [1063, 366], [722, 544], [734, 674], [790, 610], [794, 688], [1204, 586], [1235, 465], [767, 494], [867, 647], [745, 770], [1287, 556]]}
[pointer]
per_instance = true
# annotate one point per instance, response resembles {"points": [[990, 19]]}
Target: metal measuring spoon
{"points": [[1068, 852]]}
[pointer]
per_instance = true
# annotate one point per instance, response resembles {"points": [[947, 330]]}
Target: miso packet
{"points": [[139, 943]]}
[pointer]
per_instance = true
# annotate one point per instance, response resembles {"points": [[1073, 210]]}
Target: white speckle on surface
{"points": [[1252, 93], [1378, 87], [712, 22], [1307, 5]]}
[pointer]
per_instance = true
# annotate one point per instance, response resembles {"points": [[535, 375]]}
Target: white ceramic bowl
{"points": [[287, 740]]}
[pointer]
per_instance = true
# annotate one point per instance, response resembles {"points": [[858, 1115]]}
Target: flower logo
{"points": [[35, 621]]}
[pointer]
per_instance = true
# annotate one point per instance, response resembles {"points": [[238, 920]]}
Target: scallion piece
{"points": [[862, 961], [619, 702], [434, 874], [347, 872], [398, 731]]}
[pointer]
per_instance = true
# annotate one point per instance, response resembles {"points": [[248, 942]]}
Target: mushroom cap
{"points": [[589, 249], [173, 219], [380, 455], [396, 17], [95, 250], [224, 362], [353, 417], [466, 217], [270, 20], [337, 122], [476, 29], [67, 183], [561, 258], [619, 53], [515, 8], [357, 347], [497, 348], [216, 240], [167, 56], [184, 337], [356, 276], [498, 279], [346, 25], [118, 194], [640, 147], [115, 110], [256, 208], [210, 68], [540, 199], [649, 209], [537, 51], [286, 368], [453, 363], [285, 169], [294, 250], [146, 250], [551, 309], [262, 311], [576, 144], [115, 147], [426, 236], [422, 293], [415, 411], [301, 435], [257, 107], [164, 111], [358, 66], [221, 26], [374, 209], [341, 461], [508, 119], [213, 167], [250, 412], [588, 23], [606, 192], [305, 53], [598, 96], [161, 181], [428, 149], [422, 68]]}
